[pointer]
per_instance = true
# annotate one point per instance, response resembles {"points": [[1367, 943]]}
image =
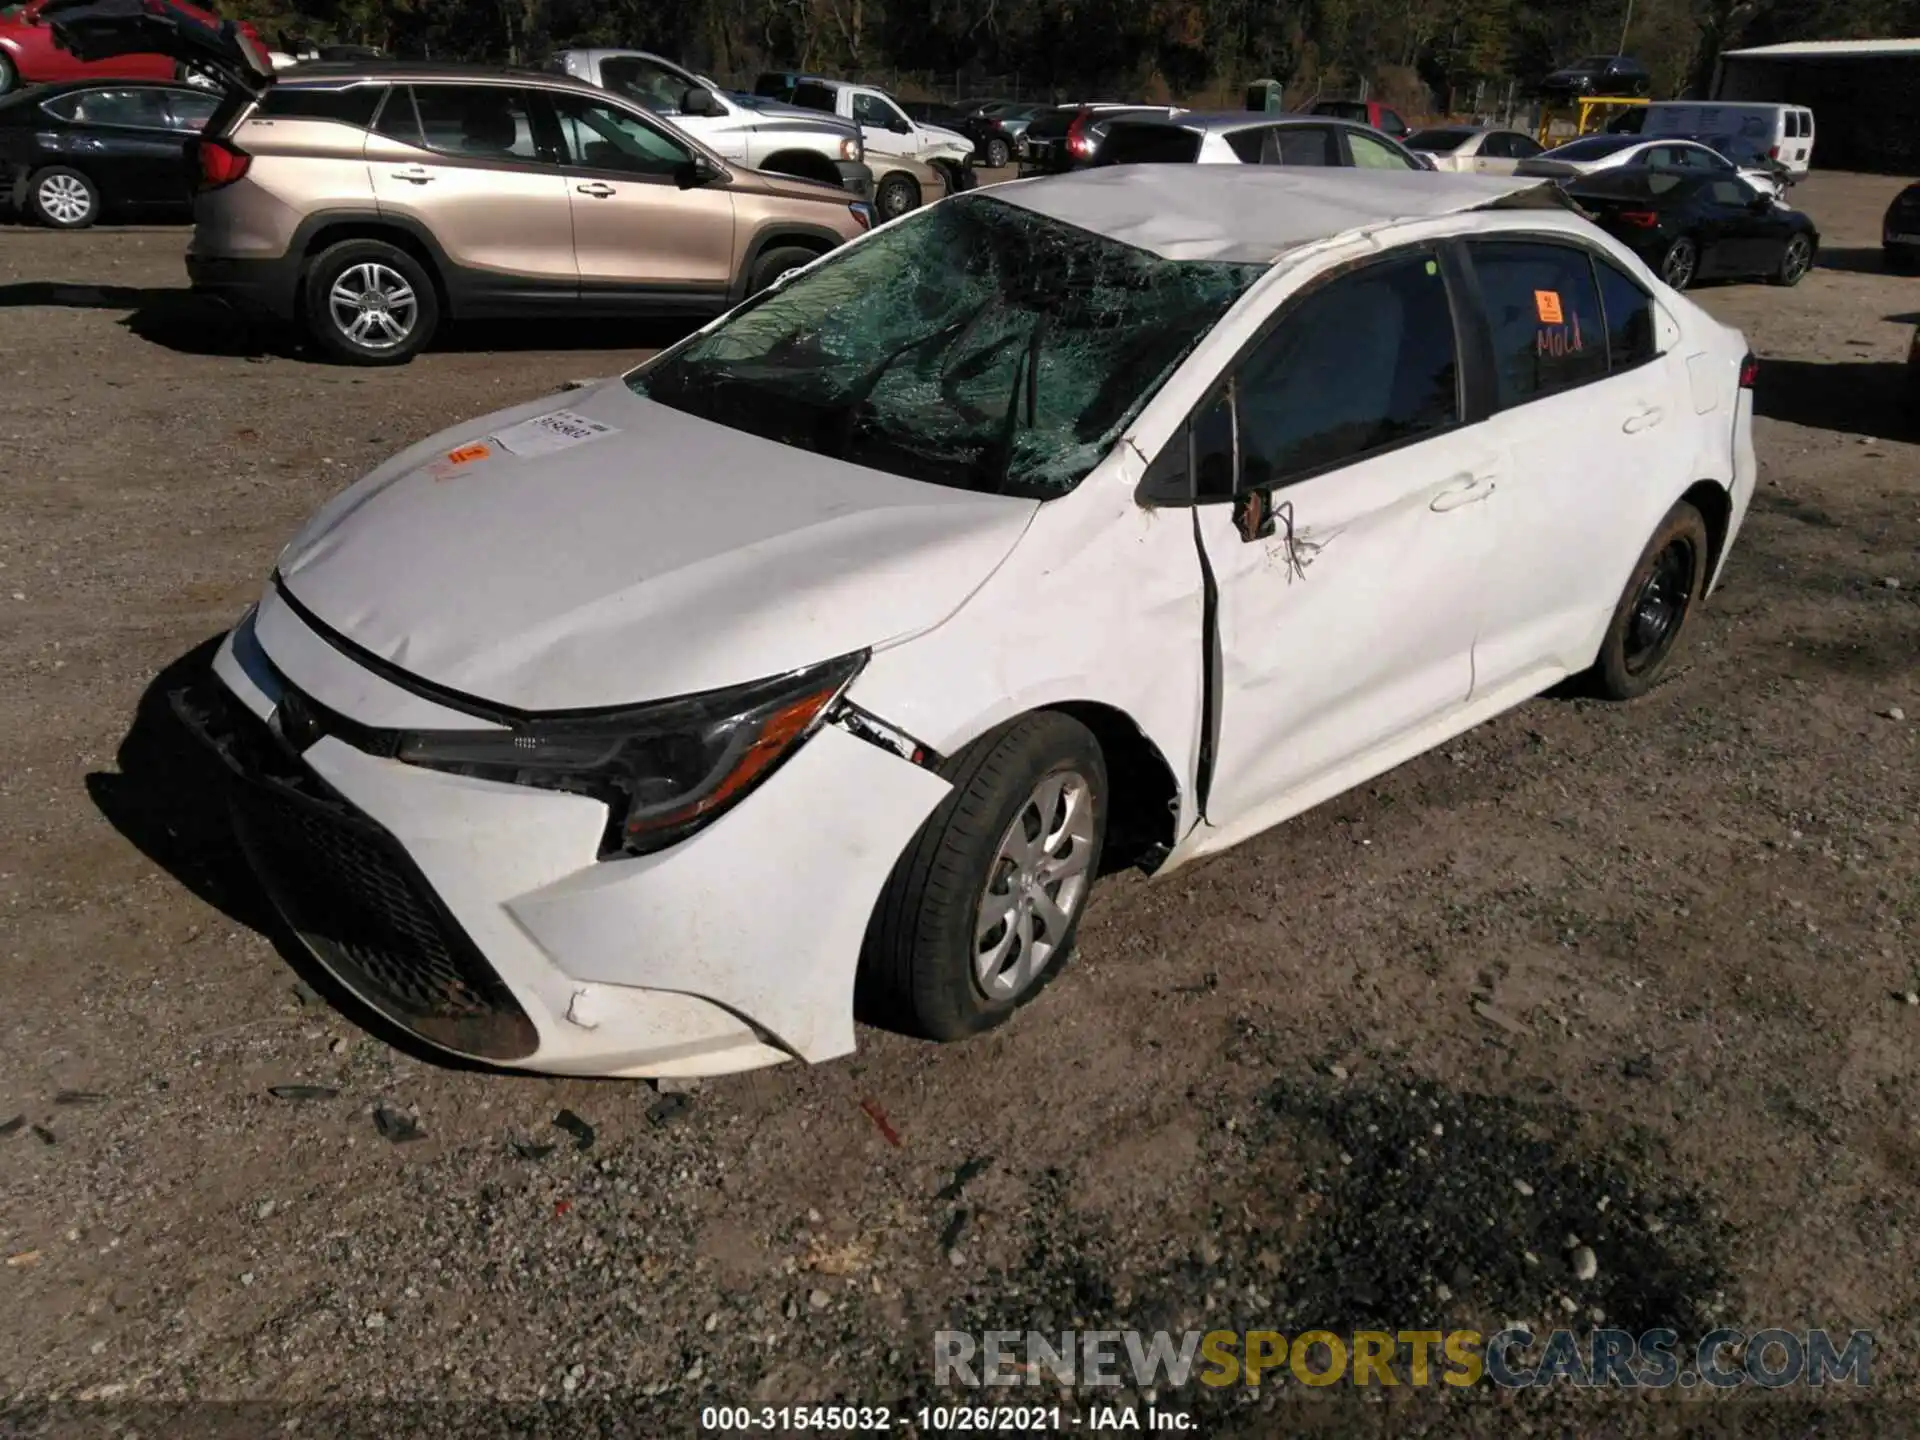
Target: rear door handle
{"points": [[599, 190], [416, 176], [1461, 491], [1645, 420]]}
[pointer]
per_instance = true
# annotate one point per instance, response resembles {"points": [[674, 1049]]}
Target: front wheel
{"points": [[1654, 608], [997, 154], [1681, 263], [9, 75], [370, 303], [778, 262], [1795, 260], [980, 913], [63, 199]]}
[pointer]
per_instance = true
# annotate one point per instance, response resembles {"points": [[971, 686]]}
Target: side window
{"points": [[190, 112], [487, 122], [1735, 193], [399, 120], [1628, 311], [873, 110], [653, 85], [1370, 154], [133, 109], [1523, 147], [1497, 146], [1365, 362], [1303, 145], [1248, 145], [1544, 312], [1391, 122], [600, 137], [354, 105]]}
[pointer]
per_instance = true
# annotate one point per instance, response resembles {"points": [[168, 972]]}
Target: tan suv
{"points": [[369, 202]]}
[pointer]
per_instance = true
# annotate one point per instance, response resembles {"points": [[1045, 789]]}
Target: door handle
{"points": [[415, 176], [1461, 491], [1645, 420], [599, 190]]}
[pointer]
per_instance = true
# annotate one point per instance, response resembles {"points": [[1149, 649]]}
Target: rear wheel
{"points": [[997, 154], [1654, 609], [896, 195], [980, 913], [369, 303], [1795, 260], [779, 261], [1681, 263], [63, 199], [9, 76]]}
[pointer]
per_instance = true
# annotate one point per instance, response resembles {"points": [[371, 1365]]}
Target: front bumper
{"points": [[475, 914]]}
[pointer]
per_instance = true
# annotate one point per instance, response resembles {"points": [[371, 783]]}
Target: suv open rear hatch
{"points": [[94, 30]]}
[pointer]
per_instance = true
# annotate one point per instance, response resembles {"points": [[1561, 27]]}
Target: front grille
{"points": [[350, 891]]}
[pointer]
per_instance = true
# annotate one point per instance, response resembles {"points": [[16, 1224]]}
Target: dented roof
{"points": [[1253, 214]]}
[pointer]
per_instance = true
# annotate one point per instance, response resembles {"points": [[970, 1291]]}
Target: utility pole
{"points": [[1625, 25]]}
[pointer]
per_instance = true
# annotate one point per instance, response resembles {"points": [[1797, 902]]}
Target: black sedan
{"points": [[76, 152], [1689, 226], [1598, 75], [1900, 231]]}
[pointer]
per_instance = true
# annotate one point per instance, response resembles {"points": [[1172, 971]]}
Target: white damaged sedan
{"points": [[1084, 522]]}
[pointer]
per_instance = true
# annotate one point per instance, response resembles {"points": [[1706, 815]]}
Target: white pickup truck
{"points": [[891, 137], [742, 129]]}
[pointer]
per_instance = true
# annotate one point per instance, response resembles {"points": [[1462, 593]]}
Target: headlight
{"points": [[853, 148], [663, 770]]}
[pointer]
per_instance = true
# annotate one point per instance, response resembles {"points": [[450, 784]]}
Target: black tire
{"points": [[997, 154], [63, 199], [917, 969], [1796, 259], [1680, 265], [9, 76], [375, 260], [895, 196], [777, 262], [1654, 609]]}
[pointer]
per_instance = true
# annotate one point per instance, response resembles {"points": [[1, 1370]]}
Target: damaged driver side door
{"points": [[1353, 503]]}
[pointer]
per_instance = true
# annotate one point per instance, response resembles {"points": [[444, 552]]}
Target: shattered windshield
{"points": [[975, 344]]}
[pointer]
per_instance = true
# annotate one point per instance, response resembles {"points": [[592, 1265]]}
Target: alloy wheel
{"points": [[1799, 255], [1037, 882], [65, 199], [1677, 268], [1660, 608], [373, 306]]}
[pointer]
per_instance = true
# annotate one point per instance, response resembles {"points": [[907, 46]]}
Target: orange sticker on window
{"points": [[1547, 303]]}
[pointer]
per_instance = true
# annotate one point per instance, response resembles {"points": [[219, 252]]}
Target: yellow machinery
{"points": [[1593, 112]]}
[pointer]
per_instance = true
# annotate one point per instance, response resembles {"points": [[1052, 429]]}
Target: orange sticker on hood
{"points": [[1547, 303], [467, 454]]}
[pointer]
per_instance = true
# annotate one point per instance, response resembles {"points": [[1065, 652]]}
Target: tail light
{"points": [[1773, 152], [1749, 372], [221, 164], [1645, 219], [1079, 142]]}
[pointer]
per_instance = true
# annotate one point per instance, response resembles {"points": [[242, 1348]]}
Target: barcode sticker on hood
{"points": [[544, 434]]}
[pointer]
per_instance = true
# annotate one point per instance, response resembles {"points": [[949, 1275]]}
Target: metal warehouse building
{"points": [[1864, 94]]}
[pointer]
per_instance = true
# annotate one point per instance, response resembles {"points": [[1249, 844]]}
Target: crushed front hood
{"points": [[661, 556]]}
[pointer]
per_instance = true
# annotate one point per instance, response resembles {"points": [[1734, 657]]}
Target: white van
{"points": [[1781, 132]]}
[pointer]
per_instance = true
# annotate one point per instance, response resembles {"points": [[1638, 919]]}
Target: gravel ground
{"points": [[1633, 978]]}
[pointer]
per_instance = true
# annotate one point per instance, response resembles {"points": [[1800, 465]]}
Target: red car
{"points": [[28, 55], [1383, 118]]}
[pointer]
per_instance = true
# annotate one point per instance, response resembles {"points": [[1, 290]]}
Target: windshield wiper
{"points": [[993, 464], [849, 410]]}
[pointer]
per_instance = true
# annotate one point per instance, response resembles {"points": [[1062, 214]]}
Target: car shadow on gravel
{"points": [[172, 317], [168, 797], [1868, 398], [1861, 260]]}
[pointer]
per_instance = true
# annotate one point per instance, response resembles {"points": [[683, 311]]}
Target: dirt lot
{"points": [[1647, 962]]}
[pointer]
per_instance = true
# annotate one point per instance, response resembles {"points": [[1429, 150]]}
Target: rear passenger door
{"points": [[1350, 564], [1586, 411], [467, 164], [1300, 145], [129, 145]]}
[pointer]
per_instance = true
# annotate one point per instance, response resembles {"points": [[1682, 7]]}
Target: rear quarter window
{"points": [[354, 105]]}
